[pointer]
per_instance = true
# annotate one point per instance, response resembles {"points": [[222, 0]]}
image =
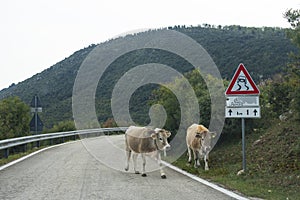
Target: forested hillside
{"points": [[263, 50]]}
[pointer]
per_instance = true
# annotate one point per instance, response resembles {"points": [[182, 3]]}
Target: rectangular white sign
{"points": [[38, 109], [242, 101], [244, 112]]}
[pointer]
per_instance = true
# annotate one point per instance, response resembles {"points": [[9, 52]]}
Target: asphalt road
{"points": [[94, 169]]}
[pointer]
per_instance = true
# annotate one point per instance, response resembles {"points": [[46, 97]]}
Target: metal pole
{"points": [[243, 144], [35, 113], [6, 153]]}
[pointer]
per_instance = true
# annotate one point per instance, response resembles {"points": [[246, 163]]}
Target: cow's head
{"points": [[161, 138], [201, 132], [206, 137]]}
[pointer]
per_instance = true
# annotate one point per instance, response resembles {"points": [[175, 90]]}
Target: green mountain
{"points": [[262, 50]]}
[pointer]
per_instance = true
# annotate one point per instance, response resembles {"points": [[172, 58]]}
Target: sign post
{"points": [[243, 144], [36, 124], [242, 101]]}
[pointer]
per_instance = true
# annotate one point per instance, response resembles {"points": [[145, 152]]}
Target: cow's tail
{"points": [[126, 145]]}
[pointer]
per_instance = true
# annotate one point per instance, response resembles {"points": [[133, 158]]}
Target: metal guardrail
{"points": [[13, 142]]}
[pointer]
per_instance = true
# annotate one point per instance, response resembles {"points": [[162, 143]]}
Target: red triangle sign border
{"points": [[240, 69]]}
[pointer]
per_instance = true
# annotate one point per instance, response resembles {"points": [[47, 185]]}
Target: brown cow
{"points": [[198, 140], [142, 140]]}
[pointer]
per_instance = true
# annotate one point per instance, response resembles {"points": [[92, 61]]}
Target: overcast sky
{"points": [[36, 34]]}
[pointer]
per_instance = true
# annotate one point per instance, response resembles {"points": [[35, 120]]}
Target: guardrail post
{"points": [[38, 144], [6, 153], [24, 148]]}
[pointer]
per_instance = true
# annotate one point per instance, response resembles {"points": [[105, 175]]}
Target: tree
{"points": [[169, 101], [63, 126], [293, 17], [110, 122], [14, 118]]}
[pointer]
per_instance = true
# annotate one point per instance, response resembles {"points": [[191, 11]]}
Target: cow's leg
{"points": [[134, 157], [128, 155], [162, 173], [196, 158], [190, 155], [206, 161], [144, 165]]}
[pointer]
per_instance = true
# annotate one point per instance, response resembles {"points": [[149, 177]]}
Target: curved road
{"points": [[93, 169]]}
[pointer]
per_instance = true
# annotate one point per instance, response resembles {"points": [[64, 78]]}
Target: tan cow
{"points": [[198, 140], [142, 140]]}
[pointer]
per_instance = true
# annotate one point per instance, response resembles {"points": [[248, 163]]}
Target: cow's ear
{"points": [[204, 133], [213, 134], [168, 133], [154, 136], [157, 130]]}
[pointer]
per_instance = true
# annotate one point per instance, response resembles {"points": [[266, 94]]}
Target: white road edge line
{"points": [[205, 182], [32, 154]]}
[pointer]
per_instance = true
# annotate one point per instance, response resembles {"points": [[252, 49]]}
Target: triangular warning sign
{"points": [[241, 83], [36, 123], [35, 102]]}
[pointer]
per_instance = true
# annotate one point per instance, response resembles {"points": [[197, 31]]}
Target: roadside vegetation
{"points": [[273, 164]]}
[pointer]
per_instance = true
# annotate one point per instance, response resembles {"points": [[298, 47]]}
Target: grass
{"points": [[273, 163]]}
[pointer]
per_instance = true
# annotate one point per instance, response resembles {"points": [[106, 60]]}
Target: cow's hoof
{"points": [[137, 172], [144, 175], [163, 176], [241, 172]]}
